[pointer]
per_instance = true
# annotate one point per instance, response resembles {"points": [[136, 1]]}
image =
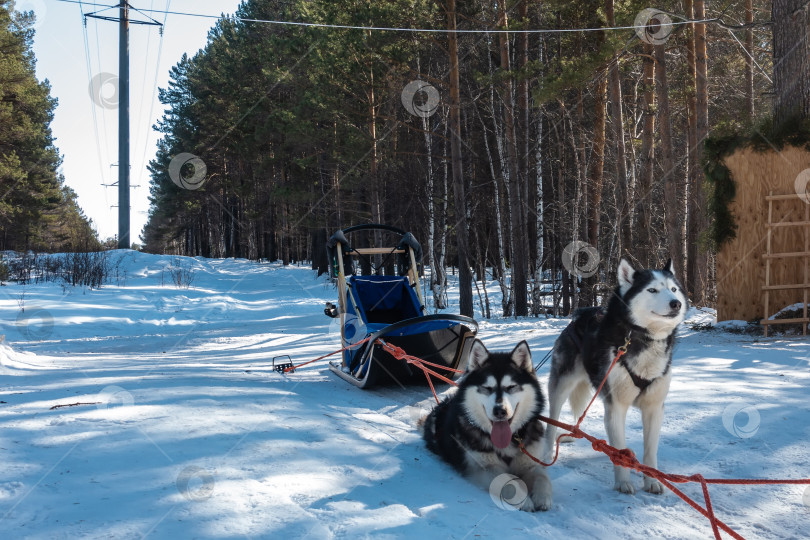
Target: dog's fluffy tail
{"points": [[579, 398], [420, 424], [430, 425]]}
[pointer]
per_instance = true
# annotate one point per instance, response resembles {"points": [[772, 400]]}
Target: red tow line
{"points": [[620, 457], [352, 346]]}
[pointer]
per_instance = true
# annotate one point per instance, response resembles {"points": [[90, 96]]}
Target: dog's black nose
{"points": [[675, 304], [498, 411]]}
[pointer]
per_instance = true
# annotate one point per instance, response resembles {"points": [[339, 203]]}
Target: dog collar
{"points": [[636, 329]]}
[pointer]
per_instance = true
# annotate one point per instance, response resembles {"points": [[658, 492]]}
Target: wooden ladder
{"points": [[770, 256]]}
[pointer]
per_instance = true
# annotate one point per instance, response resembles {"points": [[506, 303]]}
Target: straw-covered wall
{"points": [[740, 265]]}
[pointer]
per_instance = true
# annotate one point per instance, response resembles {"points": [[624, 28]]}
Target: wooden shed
{"points": [[772, 244]]}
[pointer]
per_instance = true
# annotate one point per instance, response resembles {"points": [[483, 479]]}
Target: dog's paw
{"points": [[536, 503], [541, 494], [625, 486], [542, 503], [527, 505], [651, 485]]}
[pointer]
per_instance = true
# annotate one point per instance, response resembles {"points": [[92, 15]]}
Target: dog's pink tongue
{"points": [[501, 434]]}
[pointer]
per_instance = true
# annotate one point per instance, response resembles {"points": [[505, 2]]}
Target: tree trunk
{"points": [[617, 119], [435, 273], [336, 186], [576, 211], [376, 213], [644, 245], [672, 198], [537, 285], [440, 284], [563, 229], [791, 60], [459, 195], [507, 298], [595, 180], [517, 234], [691, 164], [749, 61], [501, 254], [698, 261], [537, 289], [523, 96]]}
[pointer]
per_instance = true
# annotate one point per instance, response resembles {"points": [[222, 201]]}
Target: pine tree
{"points": [[36, 210]]}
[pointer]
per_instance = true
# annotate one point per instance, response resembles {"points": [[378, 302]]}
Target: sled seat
{"points": [[383, 300]]}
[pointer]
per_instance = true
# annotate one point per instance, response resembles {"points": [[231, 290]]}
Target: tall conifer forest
{"points": [[595, 136]]}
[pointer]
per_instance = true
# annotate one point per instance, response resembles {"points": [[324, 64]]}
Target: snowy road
{"points": [[171, 423]]}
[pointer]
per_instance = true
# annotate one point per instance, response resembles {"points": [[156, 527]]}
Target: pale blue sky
{"points": [[90, 147]]}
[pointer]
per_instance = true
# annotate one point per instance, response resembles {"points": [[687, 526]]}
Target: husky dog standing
{"points": [[477, 430], [646, 307]]}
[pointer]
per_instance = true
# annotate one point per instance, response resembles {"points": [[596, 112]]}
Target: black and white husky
{"points": [[646, 307], [477, 430]]}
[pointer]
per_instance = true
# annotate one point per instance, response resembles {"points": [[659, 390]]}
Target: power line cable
{"points": [[145, 64], [154, 88], [747, 52], [89, 66], [400, 29], [141, 132], [103, 109]]}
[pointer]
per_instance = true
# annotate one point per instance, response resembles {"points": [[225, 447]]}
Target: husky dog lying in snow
{"points": [[646, 307], [477, 429]]}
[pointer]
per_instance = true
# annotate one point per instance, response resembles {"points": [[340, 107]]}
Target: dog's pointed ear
{"points": [[669, 267], [626, 273], [478, 355], [522, 356]]}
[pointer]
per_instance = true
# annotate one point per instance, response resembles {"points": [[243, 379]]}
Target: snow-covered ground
{"points": [[179, 427]]}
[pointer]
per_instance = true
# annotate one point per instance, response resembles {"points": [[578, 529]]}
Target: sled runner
{"points": [[386, 303]]}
